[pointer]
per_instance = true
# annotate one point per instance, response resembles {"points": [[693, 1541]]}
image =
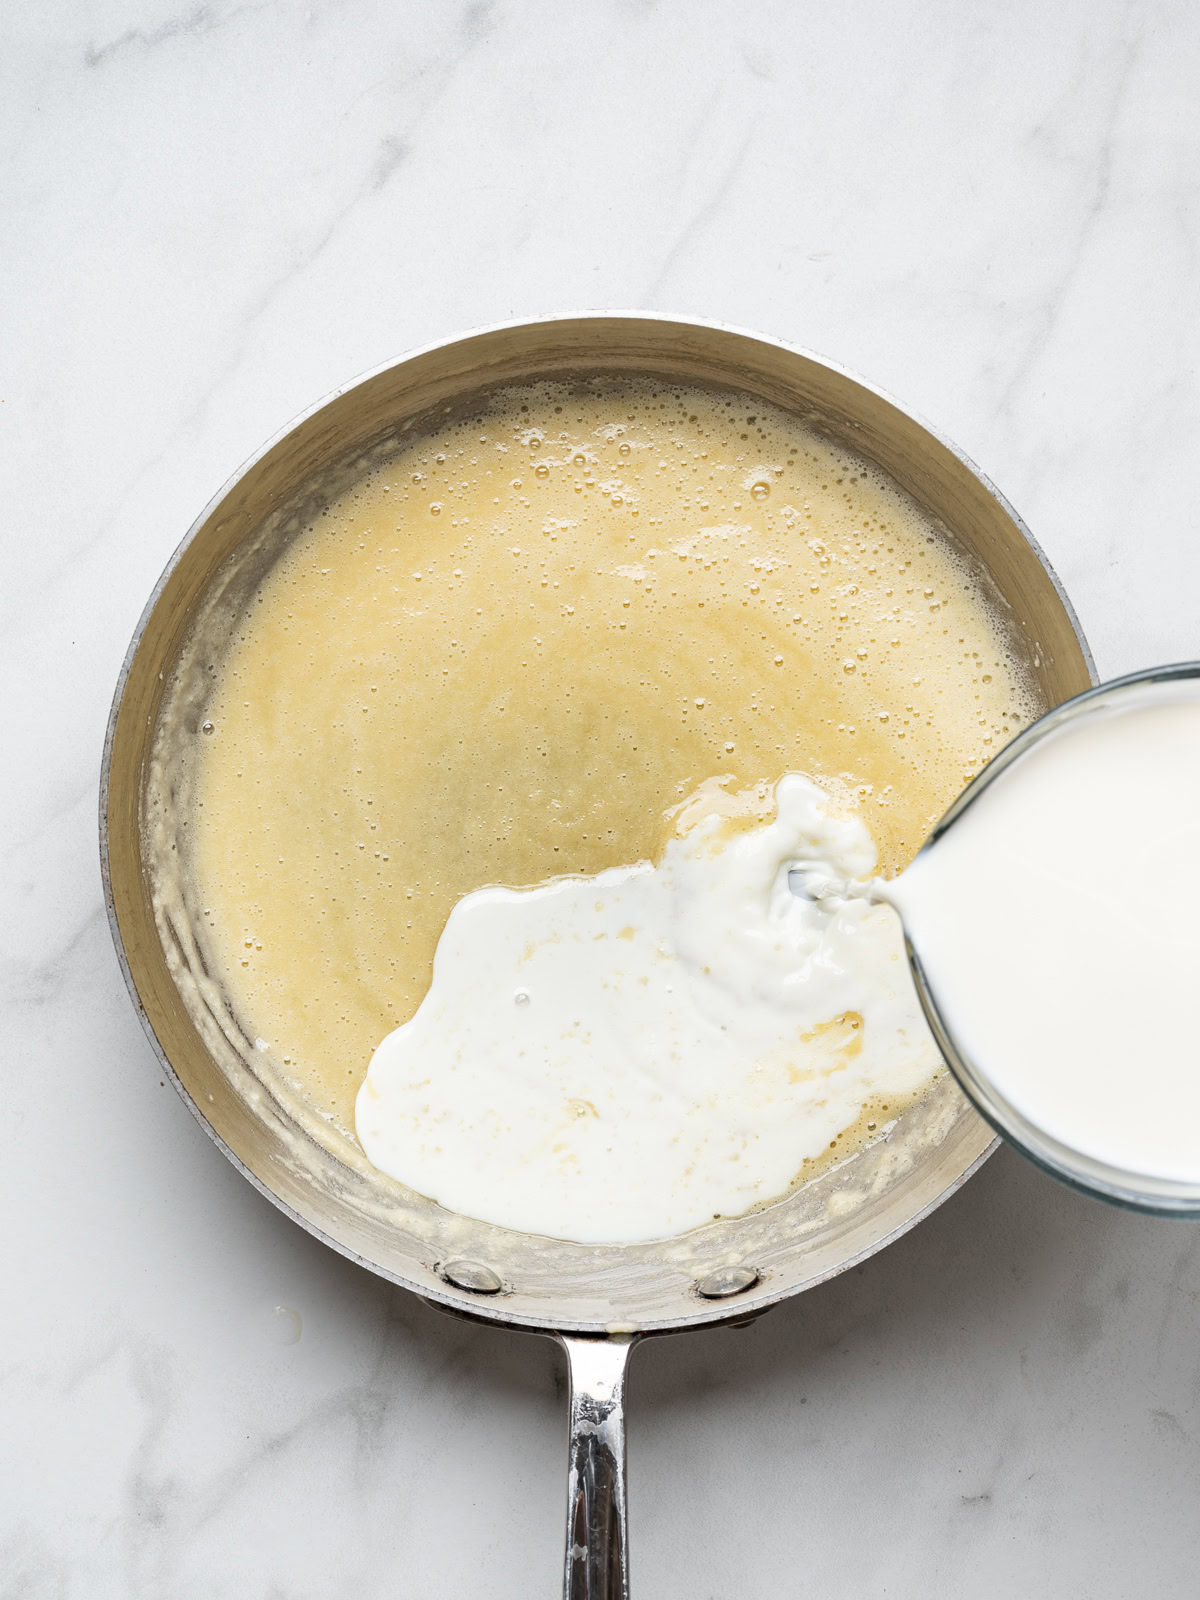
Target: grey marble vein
{"points": [[1093, 196], [192, 24]]}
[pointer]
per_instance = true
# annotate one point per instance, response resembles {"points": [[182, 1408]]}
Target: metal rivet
{"points": [[471, 1275], [726, 1281]]}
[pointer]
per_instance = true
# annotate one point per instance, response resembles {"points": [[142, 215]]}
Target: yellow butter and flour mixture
{"points": [[586, 631]]}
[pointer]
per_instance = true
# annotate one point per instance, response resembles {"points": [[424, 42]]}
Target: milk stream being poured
{"points": [[1057, 921], [624, 1056]]}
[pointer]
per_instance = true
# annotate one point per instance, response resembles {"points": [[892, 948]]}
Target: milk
{"points": [[1057, 922], [626, 1055]]}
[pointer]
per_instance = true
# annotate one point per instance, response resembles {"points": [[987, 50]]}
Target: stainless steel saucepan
{"points": [[596, 1300]]}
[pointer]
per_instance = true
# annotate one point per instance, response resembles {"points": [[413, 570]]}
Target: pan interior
{"points": [[306, 1164]]}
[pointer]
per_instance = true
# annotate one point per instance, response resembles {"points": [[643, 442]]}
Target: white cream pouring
{"points": [[1058, 924], [622, 1057]]}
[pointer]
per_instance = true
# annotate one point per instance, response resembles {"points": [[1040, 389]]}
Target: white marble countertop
{"points": [[215, 212]]}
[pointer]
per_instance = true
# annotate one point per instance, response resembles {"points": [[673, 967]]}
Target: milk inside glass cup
{"points": [[1053, 926]]}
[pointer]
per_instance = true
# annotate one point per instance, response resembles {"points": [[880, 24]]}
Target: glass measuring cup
{"points": [[1055, 1153]]}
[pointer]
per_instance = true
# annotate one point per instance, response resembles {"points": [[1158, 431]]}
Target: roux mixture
{"points": [[522, 646]]}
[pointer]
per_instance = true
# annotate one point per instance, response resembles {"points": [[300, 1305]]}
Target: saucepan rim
{"points": [[476, 1305]]}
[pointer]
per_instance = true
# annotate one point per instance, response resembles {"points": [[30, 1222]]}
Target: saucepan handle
{"points": [[597, 1565]]}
